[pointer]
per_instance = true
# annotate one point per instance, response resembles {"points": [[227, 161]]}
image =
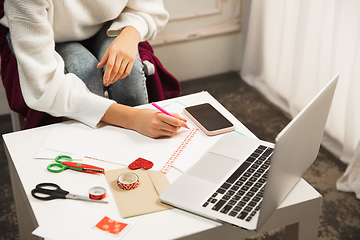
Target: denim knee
{"points": [[79, 61], [132, 89]]}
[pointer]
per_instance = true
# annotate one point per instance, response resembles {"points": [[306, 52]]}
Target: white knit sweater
{"points": [[35, 26]]}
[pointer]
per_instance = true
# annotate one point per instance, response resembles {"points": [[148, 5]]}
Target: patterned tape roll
{"points": [[97, 193], [128, 181]]}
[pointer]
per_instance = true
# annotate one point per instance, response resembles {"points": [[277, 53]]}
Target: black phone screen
{"points": [[208, 117]]}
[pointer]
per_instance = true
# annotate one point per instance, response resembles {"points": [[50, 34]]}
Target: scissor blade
{"points": [[82, 198], [93, 170]]}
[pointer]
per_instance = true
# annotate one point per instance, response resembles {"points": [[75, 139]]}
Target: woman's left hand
{"points": [[119, 58]]}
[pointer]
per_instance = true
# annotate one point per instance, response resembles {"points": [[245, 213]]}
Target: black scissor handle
{"points": [[48, 191]]}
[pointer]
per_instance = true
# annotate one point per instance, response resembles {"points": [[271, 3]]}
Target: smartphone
{"points": [[208, 119]]}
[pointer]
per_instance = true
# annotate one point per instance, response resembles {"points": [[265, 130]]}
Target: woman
{"points": [[67, 51]]}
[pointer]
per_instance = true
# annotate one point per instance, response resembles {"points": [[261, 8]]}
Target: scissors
{"points": [[50, 191], [68, 163]]}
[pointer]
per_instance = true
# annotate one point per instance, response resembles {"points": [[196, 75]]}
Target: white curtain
{"points": [[293, 48]]}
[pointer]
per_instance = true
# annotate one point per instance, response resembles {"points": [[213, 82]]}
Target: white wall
{"points": [[199, 58], [202, 38]]}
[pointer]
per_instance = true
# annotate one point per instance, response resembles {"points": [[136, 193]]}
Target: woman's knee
{"points": [[76, 57], [132, 89], [79, 61]]}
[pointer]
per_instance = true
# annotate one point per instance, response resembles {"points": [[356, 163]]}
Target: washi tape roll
{"points": [[128, 181], [97, 193]]}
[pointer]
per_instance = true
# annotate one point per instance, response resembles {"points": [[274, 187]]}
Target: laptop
{"points": [[242, 180]]}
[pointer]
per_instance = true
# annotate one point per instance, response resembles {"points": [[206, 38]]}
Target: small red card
{"points": [[111, 226]]}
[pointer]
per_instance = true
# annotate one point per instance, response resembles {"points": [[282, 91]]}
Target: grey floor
{"points": [[340, 218]]}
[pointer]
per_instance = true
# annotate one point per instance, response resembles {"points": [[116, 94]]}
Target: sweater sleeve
{"points": [[43, 83], [147, 16]]}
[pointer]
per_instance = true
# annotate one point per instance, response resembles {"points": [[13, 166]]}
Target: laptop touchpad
{"points": [[212, 167]]}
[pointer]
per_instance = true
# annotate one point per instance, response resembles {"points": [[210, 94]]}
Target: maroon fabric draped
{"points": [[162, 85]]}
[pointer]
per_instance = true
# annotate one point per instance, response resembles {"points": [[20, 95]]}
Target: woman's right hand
{"points": [[149, 122], [156, 124]]}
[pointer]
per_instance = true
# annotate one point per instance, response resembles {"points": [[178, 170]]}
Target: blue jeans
{"points": [[82, 58]]}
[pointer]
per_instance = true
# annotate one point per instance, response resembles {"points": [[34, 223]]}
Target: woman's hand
{"points": [[119, 58], [156, 124], [149, 122]]}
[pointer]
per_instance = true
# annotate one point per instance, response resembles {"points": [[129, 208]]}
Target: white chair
{"points": [[15, 121]]}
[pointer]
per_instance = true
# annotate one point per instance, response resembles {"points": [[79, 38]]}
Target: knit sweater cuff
{"points": [[129, 19], [92, 111]]}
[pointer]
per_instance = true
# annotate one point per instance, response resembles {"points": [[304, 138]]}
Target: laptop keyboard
{"points": [[241, 194]]}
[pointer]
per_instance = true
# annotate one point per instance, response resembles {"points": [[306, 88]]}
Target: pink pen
{"points": [[163, 111]]}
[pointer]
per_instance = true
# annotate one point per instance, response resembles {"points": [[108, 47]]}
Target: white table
{"points": [[299, 213]]}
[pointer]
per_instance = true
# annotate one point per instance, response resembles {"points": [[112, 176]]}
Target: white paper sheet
{"points": [[122, 146], [74, 221]]}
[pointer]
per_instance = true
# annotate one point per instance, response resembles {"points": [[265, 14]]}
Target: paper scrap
{"points": [[143, 199], [74, 221]]}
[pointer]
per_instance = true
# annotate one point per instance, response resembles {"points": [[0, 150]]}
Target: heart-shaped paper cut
{"points": [[141, 163]]}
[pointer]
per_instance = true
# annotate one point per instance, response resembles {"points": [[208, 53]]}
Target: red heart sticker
{"points": [[141, 163]]}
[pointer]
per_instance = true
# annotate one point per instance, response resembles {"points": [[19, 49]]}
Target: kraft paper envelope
{"points": [[143, 199]]}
